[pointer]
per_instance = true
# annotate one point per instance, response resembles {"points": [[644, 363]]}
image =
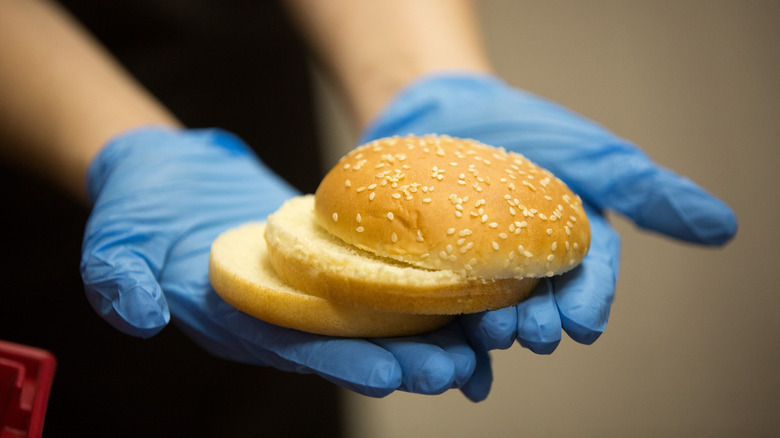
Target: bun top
{"points": [[440, 202]]}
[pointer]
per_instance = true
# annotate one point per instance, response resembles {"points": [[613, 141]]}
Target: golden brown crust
{"points": [[444, 203], [241, 274], [306, 257]]}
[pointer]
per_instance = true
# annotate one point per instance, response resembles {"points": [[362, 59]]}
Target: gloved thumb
{"points": [[122, 289], [653, 197]]}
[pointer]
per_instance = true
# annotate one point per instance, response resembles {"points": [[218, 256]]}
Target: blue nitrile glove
{"points": [[160, 198], [606, 171]]}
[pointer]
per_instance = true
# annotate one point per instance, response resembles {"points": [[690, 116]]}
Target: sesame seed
{"points": [[335, 217], [495, 245], [360, 229], [528, 254], [554, 246], [394, 237], [396, 195], [461, 241], [549, 273], [358, 218], [390, 215], [451, 231], [567, 245], [550, 257], [503, 235], [464, 232], [427, 200], [372, 186], [347, 183], [549, 231], [449, 249], [576, 246], [484, 218], [458, 214], [542, 216], [371, 196], [493, 225], [443, 255], [420, 236]]}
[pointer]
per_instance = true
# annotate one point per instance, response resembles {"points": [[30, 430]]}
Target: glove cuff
{"points": [[153, 143], [421, 96]]}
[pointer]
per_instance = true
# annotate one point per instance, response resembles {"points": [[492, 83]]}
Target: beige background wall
{"points": [[693, 343]]}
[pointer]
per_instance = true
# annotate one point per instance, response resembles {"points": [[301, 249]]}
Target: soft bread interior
{"points": [[241, 273], [308, 258]]}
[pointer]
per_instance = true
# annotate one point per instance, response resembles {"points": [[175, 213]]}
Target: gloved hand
{"points": [[606, 171], [160, 198]]}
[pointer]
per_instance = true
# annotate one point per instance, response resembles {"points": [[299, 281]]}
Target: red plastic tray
{"points": [[26, 375]]}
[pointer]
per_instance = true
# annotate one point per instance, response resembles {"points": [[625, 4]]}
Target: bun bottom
{"points": [[241, 273]]}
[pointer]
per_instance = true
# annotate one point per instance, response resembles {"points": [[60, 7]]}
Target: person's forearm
{"points": [[374, 48], [61, 95]]}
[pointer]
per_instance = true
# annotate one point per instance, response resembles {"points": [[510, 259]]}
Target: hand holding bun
{"points": [[415, 225]]}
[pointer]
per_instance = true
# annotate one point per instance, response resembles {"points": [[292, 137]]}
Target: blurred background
{"points": [[693, 343]]}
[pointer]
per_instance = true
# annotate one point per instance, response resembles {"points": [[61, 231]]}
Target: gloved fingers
{"points": [[539, 321], [477, 388], [491, 330], [122, 288], [453, 340], [426, 367], [584, 295], [354, 364]]}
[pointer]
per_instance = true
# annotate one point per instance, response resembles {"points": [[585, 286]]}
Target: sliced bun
{"points": [[242, 275], [308, 258], [443, 203]]}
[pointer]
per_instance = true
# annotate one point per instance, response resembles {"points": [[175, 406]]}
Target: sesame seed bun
{"points": [[400, 235], [307, 257], [241, 273], [443, 203]]}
